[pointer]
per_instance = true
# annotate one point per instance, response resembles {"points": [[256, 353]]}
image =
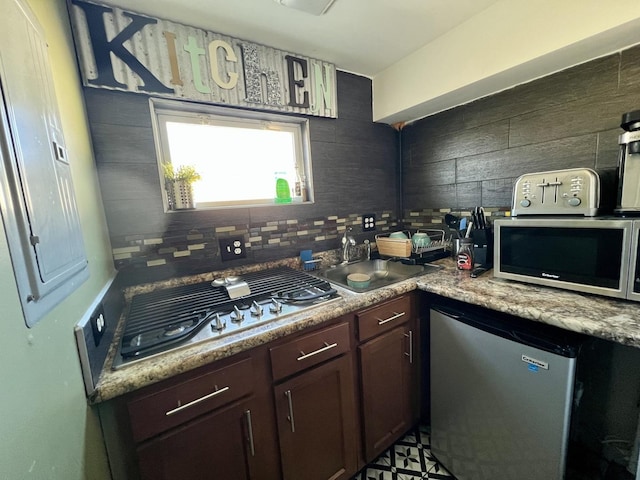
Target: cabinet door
{"points": [[316, 423], [387, 364], [237, 443]]}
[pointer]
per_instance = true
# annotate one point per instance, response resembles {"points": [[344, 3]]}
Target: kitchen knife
{"points": [[475, 218], [482, 219]]}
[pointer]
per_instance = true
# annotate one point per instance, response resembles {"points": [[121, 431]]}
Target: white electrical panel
{"points": [[37, 199]]}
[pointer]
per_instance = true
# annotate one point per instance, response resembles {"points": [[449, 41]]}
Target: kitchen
{"points": [[54, 434]]}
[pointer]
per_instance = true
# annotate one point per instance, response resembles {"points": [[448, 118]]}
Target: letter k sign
{"points": [[103, 48]]}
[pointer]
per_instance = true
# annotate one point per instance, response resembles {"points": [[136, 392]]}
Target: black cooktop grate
{"points": [[190, 303]]}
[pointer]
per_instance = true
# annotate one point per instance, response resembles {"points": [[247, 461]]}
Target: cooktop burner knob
{"points": [[275, 307], [219, 324], [236, 316], [256, 309]]}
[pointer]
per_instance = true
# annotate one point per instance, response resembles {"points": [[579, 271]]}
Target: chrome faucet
{"points": [[367, 249], [347, 242]]}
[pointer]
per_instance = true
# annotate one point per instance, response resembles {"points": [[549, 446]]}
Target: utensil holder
{"points": [[482, 247]]}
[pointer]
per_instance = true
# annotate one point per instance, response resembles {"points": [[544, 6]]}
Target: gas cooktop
{"points": [[177, 317]]}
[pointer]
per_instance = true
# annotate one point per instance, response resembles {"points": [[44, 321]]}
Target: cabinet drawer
{"points": [[157, 412], [309, 350], [383, 317]]}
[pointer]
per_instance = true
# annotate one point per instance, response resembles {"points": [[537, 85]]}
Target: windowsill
{"points": [[205, 207]]}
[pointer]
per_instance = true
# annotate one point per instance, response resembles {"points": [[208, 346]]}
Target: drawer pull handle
{"points": [[410, 354], [290, 417], [320, 350], [252, 447], [196, 401], [392, 317]]}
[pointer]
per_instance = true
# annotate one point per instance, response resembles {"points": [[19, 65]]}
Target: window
{"points": [[241, 158]]}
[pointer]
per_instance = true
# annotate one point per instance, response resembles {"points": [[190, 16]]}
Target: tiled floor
{"points": [[408, 459]]}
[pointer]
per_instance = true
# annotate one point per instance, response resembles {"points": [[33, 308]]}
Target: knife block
{"points": [[482, 247]]}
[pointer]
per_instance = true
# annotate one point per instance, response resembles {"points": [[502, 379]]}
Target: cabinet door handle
{"points": [[392, 317], [410, 354], [196, 401], [252, 448], [320, 350], [290, 417]]}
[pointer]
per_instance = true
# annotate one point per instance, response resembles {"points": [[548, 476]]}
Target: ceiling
{"points": [[358, 36]]}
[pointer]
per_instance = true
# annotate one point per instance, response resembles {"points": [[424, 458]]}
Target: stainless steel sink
{"points": [[382, 273]]}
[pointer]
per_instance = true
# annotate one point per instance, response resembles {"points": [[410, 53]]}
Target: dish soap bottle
{"points": [[283, 192], [465, 254]]}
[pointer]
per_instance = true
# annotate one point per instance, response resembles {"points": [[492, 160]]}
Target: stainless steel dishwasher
{"points": [[501, 395]]}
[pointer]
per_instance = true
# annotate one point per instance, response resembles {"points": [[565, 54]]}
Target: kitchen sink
{"points": [[381, 272]]}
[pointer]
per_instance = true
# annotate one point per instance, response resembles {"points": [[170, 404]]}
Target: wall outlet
{"points": [[368, 222], [98, 324], [232, 248]]}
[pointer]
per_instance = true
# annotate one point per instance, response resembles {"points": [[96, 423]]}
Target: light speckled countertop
{"points": [[607, 318], [610, 319]]}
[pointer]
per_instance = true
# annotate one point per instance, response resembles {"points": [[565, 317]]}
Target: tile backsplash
{"points": [[276, 237], [139, 251], [434, 217]]}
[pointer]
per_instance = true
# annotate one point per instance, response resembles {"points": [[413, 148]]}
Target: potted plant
{"points": [[179, 185]]}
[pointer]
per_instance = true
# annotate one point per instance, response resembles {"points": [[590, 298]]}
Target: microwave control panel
{"points": [[574, 191]]}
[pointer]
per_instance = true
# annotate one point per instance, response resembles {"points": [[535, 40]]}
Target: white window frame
{"points": [[163, 110]]}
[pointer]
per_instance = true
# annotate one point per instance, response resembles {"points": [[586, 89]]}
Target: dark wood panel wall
{"points": [[471, 155], [467, 156], [355, 163]]}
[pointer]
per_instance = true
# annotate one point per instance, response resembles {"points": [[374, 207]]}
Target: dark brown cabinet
{"points": [[315, 408], [308, 406], [228, 443], [389, 373], [214, 423]]}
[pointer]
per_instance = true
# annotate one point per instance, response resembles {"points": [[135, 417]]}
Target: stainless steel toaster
{"points": [[574, 191]]}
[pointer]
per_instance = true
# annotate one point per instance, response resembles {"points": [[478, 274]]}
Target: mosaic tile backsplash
{"points": [[156, 250]]}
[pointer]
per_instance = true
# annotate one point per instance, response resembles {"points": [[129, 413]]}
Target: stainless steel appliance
{"points": [[557, 241], [181, 316], [593, 255], [574, 191], [629, 165], [501, 395]]}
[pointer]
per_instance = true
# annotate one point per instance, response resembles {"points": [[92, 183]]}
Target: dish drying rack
{"points": [[403, 248]]}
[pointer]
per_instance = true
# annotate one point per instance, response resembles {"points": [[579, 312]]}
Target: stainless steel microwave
{"points": [[594, 255]]}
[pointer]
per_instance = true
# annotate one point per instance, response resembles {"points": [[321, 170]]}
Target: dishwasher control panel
{"points": [[574, 191]]}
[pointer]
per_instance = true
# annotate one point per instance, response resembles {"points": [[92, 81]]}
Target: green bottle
{"points": [[283, 193]]}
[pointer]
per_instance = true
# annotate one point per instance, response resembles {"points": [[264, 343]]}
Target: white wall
{"points": [[47, 430], [511, 42]]}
